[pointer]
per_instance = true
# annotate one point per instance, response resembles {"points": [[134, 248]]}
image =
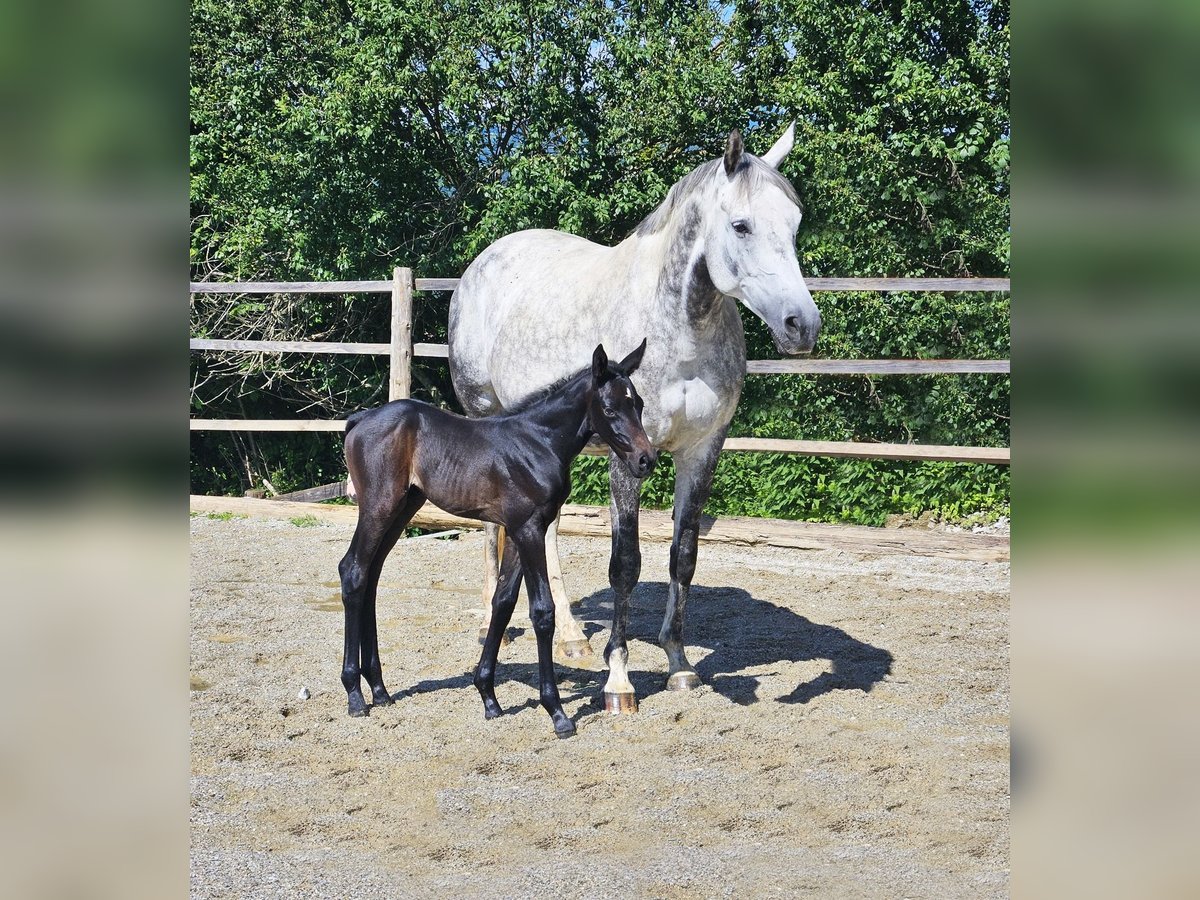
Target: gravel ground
{"points": [[851, 738]]}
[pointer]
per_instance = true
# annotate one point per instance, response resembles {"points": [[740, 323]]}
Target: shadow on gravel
{"points": [[743, 632]]}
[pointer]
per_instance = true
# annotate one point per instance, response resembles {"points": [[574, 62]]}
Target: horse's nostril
{"points": [[791, 324]]}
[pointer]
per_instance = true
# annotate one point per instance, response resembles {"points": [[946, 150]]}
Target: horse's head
{"points": [[750, 245], [615, 411]]}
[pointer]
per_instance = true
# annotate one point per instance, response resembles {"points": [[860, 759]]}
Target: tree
{"points": [[335, 141]]}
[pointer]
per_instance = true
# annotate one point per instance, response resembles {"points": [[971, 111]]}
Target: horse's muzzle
{"points": [[798, 335]]}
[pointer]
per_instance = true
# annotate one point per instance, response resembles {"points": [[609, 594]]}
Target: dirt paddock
{"points": [[851, 738]]}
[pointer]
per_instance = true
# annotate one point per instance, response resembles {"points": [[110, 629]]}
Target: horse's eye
{"points": [[741, 226]]}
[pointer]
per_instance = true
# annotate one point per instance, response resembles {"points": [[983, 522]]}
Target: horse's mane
{"points": [[751, 170]]}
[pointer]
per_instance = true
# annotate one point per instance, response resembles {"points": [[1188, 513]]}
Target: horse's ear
{"points": [[781, 147], [630, 363], [733, 151], [599, 363]]}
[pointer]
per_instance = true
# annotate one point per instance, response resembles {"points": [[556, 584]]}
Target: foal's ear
{"points": [[599, 363], [733, 151], [781, 147], [630, 363]]}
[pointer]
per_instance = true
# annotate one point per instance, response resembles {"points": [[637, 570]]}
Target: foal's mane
{"points": [[751, 170], [538, 396]]}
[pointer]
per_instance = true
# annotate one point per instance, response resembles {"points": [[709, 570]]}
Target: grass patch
{"points": [[222, 516], [306, 521]]}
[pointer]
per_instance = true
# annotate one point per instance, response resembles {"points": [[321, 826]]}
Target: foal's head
{"points": [[615, 410]]}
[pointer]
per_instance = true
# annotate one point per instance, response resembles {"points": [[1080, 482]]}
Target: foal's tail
{"points": [[352, 420]]}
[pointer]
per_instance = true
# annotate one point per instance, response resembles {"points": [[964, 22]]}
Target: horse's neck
{"points": [[670, 266]]}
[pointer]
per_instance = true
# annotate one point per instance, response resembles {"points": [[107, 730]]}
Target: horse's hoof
{"points": [[359, 712], [577, 649], [504, 639], [684, 680], [577, 655], [384, 700], [564, 731], [491, 710], [620, 703]]}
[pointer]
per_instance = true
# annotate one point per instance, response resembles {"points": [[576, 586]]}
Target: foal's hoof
{"points": [[383, 700], [492, 710], [620, 703], [564, 730], [359, 712], [684, 680]]}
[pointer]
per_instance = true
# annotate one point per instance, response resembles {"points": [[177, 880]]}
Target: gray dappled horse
{"points": [[531, 307]]}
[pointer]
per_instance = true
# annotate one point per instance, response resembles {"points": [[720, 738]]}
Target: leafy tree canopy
{"points": [[334, 141]]}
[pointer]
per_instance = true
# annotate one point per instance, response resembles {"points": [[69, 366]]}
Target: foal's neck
{"points": [[565, 412]]}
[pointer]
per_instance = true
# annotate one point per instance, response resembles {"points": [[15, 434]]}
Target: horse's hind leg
{"points": [[569, 639], [503, 602], [493, 550]]}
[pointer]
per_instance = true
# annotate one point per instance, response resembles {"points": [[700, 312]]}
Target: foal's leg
{"points": [[372, 669], [505, 599], [624, 568], [569, 638], [693, 481], [531, 543], [359, 570]]}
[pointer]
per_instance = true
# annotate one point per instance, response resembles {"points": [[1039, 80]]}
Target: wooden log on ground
{"points": [[656, 525], [315, 494]]}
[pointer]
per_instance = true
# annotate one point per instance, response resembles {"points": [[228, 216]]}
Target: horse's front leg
{"points": [[569, 640], [531, 543], [624, 569], [693, 481]]}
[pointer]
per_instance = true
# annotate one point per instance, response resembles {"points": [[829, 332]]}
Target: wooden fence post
{"points": [[400, 380]]}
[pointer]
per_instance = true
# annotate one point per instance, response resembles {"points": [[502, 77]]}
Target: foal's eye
{"points": [[741, 226]]}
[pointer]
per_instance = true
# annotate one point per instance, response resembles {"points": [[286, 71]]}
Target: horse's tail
{"points": [[354, 418]]}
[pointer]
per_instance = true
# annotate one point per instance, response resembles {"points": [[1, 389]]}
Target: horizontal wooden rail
{"points": [[917, 285], [291, 347], [267, 424], [865, 450], [845, 449], [875, 366], [753, 367], [290, 287]]}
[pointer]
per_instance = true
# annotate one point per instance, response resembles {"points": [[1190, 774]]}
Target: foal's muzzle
{"points": [[641, 462]]}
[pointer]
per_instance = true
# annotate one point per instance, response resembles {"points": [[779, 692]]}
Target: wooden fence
{"points": [[401, 350]]}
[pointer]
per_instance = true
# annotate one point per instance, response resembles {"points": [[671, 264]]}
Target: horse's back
{"points": [[534, 294]]}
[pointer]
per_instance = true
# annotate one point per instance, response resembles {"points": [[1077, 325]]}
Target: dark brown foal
{"points": [[513, 470]]}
